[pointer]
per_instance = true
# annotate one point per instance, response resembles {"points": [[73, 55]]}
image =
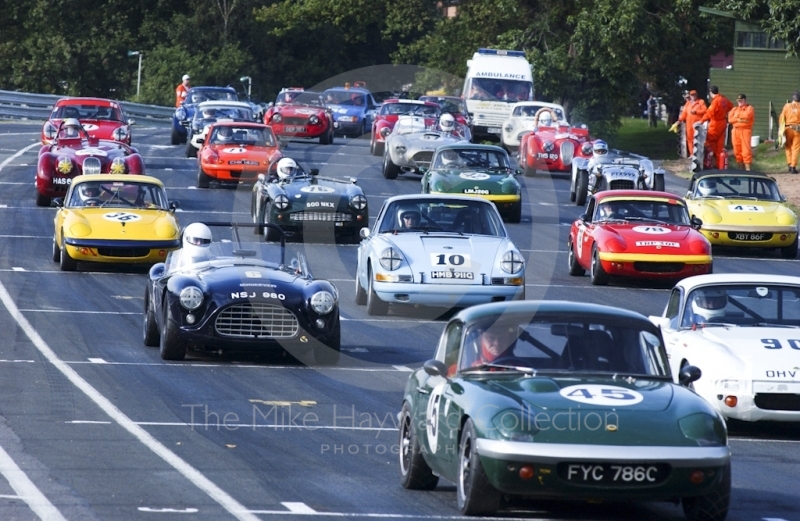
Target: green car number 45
{"points": [[561, 400]]}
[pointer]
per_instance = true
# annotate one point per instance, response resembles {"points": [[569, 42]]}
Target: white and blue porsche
{"points": [[743, 332], [437, 250]]}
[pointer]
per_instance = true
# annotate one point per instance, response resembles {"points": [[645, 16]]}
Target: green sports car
{"points": [[476, 170], [538, 399]]}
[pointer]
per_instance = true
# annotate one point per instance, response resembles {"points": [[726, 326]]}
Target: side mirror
{"points": [[689, 374], [270, 105], [697, 223], [59, 202], [363, 233], [783, 198], [353, 180], [689, 194], [313, 172], [201, 141], [583, 217], [174, 205], [262, 178], [423, 169], [660, 322], [437, 368], [517, 172], [131, 121]]}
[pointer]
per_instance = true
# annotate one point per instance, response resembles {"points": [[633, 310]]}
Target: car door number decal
{"points": [[452, 259], [432, 421], [774, 343], [594, 394], [123, 217]]}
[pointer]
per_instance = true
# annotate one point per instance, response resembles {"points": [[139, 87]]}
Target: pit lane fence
{"points": [[25, 105]]}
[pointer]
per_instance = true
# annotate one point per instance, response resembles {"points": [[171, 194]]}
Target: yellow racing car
{"points": [[114, 219], [743, 209]]}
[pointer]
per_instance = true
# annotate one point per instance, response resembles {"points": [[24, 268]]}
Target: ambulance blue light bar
{"points": [[501, 52]]}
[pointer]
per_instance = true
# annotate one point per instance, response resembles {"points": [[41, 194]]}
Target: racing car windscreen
{"points": [[750, 305], [81, 112]]}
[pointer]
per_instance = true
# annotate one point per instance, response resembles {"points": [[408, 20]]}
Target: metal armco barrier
{"points": [[24, 105]]}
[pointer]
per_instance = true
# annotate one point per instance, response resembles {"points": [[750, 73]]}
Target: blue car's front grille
{"points": [[256, 320]]}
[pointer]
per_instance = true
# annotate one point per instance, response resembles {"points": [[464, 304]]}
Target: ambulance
{"points": [[496, 79]]}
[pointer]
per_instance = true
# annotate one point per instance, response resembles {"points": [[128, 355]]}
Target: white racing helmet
{"points": [[196, 242], [447, 122], [449, 157], [709, 303], [599, 148], [286, 168], [71, 127], [546, 118], [707, 187]]}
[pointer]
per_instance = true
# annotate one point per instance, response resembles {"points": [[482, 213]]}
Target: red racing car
{"points": [[455, 105], [300, 114], [236, 151], [101, 118], [637, 233], [391, 110], [74, 152], [552, 146]]}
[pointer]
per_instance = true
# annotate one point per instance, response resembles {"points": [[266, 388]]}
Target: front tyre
{"points": [[329, 354], [390, 170], [581, 187], [42, 200], [790, 252], [191, 151], [714, 505], [176, 138], [415, 474], [475, 494], [202, 178], [375, 306], [149, 328], [56, 250], [171, 345], [361, 293], [66, 263], [597, 273], [515, 214]]}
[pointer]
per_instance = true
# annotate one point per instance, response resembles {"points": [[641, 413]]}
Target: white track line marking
{"points": [[26, 490], [227, 502], [9, 159], [298, 508], [288, 426]]}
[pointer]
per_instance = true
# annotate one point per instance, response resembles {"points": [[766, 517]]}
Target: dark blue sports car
{"points": [[353, 109], [183, 114], [220, 295]]}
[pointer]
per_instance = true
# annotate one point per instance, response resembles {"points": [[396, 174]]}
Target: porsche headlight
{"points": [[322, 302], [64, 165], [512, 262], [704, 429], [313, 120], [118, 166], [276, 118], [50, 131], [120, 134], [359, 202], [191, 298], [180, 113], [281, 202], [391, 259]]}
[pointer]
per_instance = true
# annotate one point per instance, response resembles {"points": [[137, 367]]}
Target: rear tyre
{"points": [[202, 178], [375, 306], [170, 343], [390, 170], [149, 329], [790, 252], [326, 138], [42, 200], [598, 275], [714, 505], [475, 494], [176, 138], [415, 474], [575, 268], [581, 187]]}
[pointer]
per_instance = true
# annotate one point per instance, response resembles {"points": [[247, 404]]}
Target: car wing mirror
{"points": [[313, 172], [59, 202], [423, 169], [201, 141], [697, 223], [364, 233], [435, 368], [689, 374], [584, 217], [517, 172], [689, 194], [262, 178], [661, 322], [131, 121], [353, 180], [783, 198], [174, 205]]}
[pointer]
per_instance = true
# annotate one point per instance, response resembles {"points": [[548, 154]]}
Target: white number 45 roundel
{"points": [[594, 394]]}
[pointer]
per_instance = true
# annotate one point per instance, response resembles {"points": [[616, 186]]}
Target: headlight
{"points": [[391, 259], [359, 202], [313, 120], [322, 302], [276, 118], [50, 131], [400, 149], [509, 127], [706, 430], [191, 298], [586, 149], [64, 165], [120, 134], [512, 262], [548, 146], [118, 166], [516, 425], [180, 113], [282, 202]]}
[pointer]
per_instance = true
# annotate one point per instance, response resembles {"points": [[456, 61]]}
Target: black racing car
{"points": [[228, 296]]}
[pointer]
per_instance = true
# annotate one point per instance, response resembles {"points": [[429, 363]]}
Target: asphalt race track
{"points": [[94, 425]]}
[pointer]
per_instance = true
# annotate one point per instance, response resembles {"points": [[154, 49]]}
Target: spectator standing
{"points": [[717, 117], [790, 120], [182, 90], [742, 118], [693, 111], [652, 106]]}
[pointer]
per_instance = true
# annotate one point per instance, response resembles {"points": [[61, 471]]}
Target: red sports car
{"points": [[637, 233], [236, 151], [455, 105], [300, 114], [101, 118], [553, 147], [75, 152], [391, 110]]}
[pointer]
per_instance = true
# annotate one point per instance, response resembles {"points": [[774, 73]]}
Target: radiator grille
{"points": [[567, 152], [320, 216], [778, 401], [423, 159], [622, 184], [127, 253], [256, 320], [658, 267], [295, 121], [91, 165]]}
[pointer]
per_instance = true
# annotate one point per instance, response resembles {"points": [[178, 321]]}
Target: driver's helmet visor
{"points": [[711, 301]]}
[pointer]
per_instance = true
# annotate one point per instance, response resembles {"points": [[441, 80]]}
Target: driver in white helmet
{"points": [[447, 123], [450, 159], [546, 119], [287, 167], [196, 244], [71, 128], [708, 305], [707, 188], [599, 155], [89, 194]]}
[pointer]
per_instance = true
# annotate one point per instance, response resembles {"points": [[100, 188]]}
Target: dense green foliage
{"points": [[593, 56]]}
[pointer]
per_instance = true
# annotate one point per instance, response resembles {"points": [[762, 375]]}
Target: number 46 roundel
{"points": [[608, 395]]}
